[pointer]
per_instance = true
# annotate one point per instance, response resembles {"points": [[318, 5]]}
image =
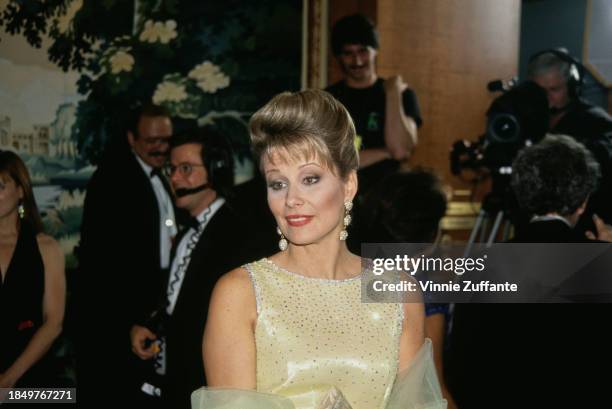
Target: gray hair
{"points": [[547, 62]]}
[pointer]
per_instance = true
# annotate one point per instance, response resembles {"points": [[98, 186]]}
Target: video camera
{"points": [[517, 118]]}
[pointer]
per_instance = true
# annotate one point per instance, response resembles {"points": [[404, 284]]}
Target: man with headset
{"points": [[561, 76], [216, 239]]}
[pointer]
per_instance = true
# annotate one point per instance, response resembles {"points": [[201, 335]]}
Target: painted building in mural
{"points": [[54, 139]]}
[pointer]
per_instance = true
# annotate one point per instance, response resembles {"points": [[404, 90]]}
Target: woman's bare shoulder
{"points": [[235, 284], [234, 297]]}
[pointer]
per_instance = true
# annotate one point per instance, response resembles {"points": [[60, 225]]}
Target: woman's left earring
{"points": [[21, 211], [348, 206], [282, 243]]}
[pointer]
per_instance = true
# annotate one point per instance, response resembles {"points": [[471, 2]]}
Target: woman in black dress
{"points": [[33, 286]]}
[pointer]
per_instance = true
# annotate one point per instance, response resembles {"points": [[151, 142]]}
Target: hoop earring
{"points": [[348, 206], [282, 243], [21, 211]]}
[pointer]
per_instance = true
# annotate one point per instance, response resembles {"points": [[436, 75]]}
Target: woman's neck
{"points": [[329, 259]]}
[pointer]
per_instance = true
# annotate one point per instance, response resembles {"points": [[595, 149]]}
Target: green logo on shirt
{"points": [[373, 122]]}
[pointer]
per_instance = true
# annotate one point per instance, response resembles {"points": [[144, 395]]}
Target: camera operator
{"points": [[561, 77]]}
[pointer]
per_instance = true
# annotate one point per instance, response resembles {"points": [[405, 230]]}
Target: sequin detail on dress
{"points": [[313, 334]]}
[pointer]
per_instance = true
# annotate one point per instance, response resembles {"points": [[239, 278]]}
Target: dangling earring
{"points": [[348, 206], [282, 243], [21, 210]]}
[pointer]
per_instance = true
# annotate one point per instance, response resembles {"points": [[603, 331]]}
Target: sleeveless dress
{"points": [[21, 307], [318, 343]]}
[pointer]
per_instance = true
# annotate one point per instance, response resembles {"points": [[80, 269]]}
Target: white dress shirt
{"points": [[167, 221], [183, 253], [180, 264], [549, 217]]}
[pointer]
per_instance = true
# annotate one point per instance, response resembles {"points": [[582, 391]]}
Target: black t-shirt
{"points": [[367, 108]]}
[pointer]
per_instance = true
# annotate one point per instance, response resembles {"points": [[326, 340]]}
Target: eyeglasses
{"points": [[184, 169]]}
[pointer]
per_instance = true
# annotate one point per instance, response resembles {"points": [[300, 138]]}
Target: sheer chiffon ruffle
{"points": [[416, 387], [214, 398]]}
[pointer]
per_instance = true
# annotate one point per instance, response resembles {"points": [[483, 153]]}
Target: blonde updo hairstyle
{"points": [[309, 124]]}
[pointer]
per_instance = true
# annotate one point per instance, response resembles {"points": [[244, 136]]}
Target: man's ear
{"points": [[574, 217], [350, 186], [582, 207], [131, 138]]}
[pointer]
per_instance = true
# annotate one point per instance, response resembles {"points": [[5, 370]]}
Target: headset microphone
{"points": [[189, 191]]}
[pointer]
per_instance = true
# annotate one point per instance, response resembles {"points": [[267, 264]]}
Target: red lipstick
{"points": [[297, 220]]}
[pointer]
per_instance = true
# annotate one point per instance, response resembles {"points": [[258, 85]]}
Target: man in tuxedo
{"points": [[216, 240], [528, 355], [126, 238], [552, 182]]}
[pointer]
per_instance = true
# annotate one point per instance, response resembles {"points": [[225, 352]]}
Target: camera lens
{"points": [[504, 128]]}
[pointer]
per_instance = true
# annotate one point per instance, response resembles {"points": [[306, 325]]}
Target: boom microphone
{"points": [[189, 191]]}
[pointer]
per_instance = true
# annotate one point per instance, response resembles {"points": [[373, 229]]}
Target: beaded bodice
{"points": [[312, 334]]}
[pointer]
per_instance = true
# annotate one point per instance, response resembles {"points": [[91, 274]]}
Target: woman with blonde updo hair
{"points": [[291, 330]]}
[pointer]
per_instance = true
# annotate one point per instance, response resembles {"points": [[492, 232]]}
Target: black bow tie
{"points": [[156, 172], [160, 174], [193, 222]]}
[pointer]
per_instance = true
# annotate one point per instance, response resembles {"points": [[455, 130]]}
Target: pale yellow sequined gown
{"points": [[313, 334], [314, 337]]}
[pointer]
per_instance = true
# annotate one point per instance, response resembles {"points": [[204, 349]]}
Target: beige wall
{"points": [[447, 51]]}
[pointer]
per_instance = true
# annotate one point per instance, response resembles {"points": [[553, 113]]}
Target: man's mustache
{"points": [[158, 153]]}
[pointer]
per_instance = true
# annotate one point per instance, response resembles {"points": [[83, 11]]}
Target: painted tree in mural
{"points": [[207, 61]]}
